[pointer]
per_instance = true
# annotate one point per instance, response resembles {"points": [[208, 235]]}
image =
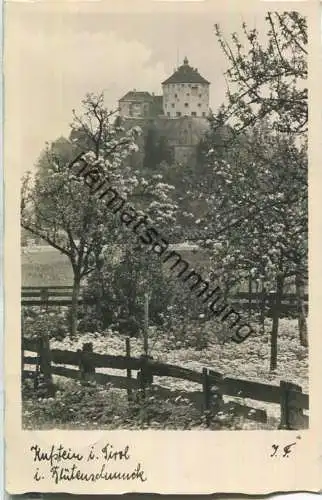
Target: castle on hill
{"points": [[185, 93], [177, 118]]}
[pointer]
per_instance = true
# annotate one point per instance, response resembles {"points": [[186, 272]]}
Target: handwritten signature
{"points": [[285, 449]]}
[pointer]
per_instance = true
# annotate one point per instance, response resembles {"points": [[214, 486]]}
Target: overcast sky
{"points": [[54, 57]]}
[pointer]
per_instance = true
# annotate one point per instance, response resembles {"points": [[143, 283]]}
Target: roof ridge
{"points": [[186, 74]]}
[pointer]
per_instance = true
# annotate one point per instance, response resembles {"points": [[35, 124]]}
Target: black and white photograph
{"points": [[163, 165], [162, 234]]}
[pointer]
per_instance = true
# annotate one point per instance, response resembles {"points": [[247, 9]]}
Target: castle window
{"points": [[178, 113], [199, 95], [172, 105], [186, 104], [203, 113], [199, 105], [188, 94], [168, 113], [193, 113], [175, 95]]}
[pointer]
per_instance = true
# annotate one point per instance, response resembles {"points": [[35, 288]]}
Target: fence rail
{"points": [[214, 385], [62, 296]]}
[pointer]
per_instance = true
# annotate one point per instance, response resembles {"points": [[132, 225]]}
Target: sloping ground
{"points": [[249, 360]]}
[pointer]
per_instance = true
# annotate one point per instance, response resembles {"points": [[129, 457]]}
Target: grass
{"points": [[249, 361], [45, 267], [89, 407]]}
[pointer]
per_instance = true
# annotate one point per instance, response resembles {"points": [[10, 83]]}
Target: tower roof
{"points": [[186, 74], [134, 95]]}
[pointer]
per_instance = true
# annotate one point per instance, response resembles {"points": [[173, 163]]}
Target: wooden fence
{"points": [[46, 296], [210, 399]]}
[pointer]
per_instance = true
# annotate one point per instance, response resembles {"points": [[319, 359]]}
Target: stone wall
{"points": [[182, 135]]}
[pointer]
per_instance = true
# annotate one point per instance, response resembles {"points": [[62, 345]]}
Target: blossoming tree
{"points": [[59, 207]]}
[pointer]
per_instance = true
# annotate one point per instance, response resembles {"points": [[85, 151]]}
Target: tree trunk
{"points": [[100, 295], [262, 309], [276, 314], [250, 290], [74, 307], [300, 292]]}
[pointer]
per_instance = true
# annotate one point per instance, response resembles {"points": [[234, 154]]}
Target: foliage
{"points": [[76, 406], [249, 361], [267, 79], [119, 289], [256, 217], [35, 323], [63, 211], [156, 149], [258, 211]]}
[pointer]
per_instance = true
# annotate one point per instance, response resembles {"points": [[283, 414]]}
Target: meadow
{"points": [[41, 266], [78, 407]]}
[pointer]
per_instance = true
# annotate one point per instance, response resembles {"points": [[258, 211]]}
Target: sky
{"points": [[54, 57]]}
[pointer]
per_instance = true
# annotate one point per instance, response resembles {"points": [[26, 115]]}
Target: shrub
{"points": [[117, 291], [89, 323], [35, 323], [77, 406]]}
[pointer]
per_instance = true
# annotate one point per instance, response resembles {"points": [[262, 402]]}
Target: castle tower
{"points": [[186, 93]]}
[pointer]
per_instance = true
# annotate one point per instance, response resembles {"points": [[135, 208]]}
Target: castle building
{"points": [[185, 93], [140, 105]]}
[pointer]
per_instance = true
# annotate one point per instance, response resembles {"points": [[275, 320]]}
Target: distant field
{"points": [[45, 267]]}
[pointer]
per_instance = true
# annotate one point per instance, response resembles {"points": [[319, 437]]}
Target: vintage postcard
{"points": [[162, 232]]}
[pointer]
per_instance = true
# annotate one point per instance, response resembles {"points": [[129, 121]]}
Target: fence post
{"points": [[206, 394], [44, 296], [45, 364], [22, 358], [141, 376], [145, 376], [146, 324], [291, 415], [215, 383], [128, 370], [86, 366], [250, 290], [262, 308]]}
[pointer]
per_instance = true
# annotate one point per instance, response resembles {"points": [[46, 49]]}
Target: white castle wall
{"points": [[185, 99]]}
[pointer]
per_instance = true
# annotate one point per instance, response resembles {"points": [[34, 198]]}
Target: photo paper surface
{"points": [[162, 240]]}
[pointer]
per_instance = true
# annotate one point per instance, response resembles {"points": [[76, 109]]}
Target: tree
{"points": [[268, 81], [62, 211], [156, 149], [257, 212], [120, 287]]}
